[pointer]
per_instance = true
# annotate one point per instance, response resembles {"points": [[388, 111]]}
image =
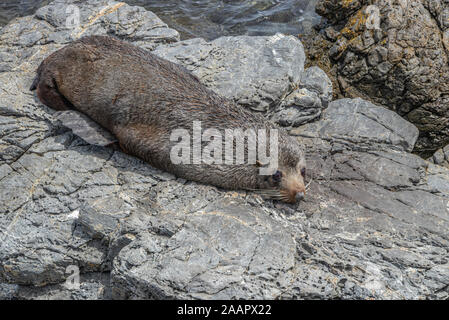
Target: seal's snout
{"points": [[293, 187], [300, 196]]}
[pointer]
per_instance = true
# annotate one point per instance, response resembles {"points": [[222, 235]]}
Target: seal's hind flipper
{"points": [[85, 128]]}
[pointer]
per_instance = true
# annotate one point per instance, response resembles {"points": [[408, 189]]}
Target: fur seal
{"points": [[141, 98]]}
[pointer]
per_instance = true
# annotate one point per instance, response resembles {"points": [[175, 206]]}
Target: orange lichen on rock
{"points": [[355, 26]]}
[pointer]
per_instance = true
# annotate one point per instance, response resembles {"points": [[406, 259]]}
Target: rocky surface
{"points": [[394, 53], [441, 157], [253, 71], [374, 223], [261, 73], [306, 102]]}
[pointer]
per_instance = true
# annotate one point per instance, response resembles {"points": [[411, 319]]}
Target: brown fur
{"points": [[141, 98]]}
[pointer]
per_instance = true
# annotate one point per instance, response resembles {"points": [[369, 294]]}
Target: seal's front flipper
{"points": [[85, 128]]}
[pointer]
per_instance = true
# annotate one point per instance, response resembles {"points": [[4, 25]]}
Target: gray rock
{"points": [[253, 71], [441, 157], [216, 253], [362, 123], [93, 286], [374, 223], [316, 80], [101, 218], [85, 128], [23, 44], [103, 17], [305, 103], [299, 107], [257, 72]]}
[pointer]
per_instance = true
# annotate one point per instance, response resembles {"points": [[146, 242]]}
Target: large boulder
{"points": [[374, 223], [253, 71], [261, 73], [395, 53]]}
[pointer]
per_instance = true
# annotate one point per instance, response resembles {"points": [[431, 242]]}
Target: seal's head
{"points": [[287, 183], [292, 187]]}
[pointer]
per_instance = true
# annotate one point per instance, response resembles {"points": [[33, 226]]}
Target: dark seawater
{"points": [[208, 18]]}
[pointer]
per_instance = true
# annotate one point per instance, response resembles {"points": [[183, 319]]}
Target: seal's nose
{"points": [[299, 196]]}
